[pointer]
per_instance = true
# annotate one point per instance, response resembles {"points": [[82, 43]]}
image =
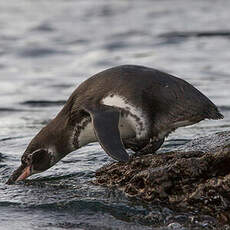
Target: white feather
{"points": [[87, 134]]}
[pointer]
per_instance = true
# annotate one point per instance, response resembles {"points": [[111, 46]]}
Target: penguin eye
{"points": [[23, 160], [26, 159]]}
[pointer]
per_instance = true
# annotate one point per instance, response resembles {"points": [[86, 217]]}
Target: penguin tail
{"points": [[214, 114]]}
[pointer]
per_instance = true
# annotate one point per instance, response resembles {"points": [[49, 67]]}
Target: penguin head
{"points": [[32, 162], [37, 161], [44, 151]]}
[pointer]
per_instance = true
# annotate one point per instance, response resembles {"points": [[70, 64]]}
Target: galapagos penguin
{"points": [[123, 107]]}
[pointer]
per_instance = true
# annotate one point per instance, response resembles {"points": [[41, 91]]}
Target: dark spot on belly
{"points": [[138, 120], [124, 112]]}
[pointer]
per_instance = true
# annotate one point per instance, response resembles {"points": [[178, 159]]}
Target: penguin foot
{"points": [[134, 144], [150, 148]]}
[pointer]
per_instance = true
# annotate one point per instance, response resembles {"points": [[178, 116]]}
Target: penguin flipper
{"points": [[105, 122]]}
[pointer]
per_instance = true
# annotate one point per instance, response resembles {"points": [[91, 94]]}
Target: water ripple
{"points": [[224, 108], [43, 103], [10, 110], [44, 27], [187, 34], [37, 52]]}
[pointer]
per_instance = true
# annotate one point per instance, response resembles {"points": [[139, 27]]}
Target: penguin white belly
{"points": [[87, 134], [133, 122], [125, 128]]}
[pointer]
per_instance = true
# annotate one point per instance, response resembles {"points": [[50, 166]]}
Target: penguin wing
{"points": [[105, 122]]}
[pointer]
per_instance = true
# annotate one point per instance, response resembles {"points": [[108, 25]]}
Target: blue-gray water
{"points": [[47, 48]]}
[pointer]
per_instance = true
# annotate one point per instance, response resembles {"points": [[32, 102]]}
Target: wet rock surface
{"points": [[195, 177]]}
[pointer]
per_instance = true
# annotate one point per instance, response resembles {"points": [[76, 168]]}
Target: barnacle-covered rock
{"points": [[194, 177]]}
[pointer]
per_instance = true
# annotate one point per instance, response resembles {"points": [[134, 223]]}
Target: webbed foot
{"points": [[150, 148]]}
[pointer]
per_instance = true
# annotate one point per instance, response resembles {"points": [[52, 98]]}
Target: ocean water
{"points": [[47, 48]]}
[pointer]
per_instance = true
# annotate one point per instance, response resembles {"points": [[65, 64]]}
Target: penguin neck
{"points": [[57, 135]]}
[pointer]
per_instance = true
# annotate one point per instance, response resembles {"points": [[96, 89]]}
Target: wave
{"points": [[43, 103], [187, 34], [8, 204], [11, 110], [36, 52], [224, 108]]}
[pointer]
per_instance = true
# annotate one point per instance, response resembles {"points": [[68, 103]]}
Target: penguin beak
{"points": [[21, 173], [26, 173]]}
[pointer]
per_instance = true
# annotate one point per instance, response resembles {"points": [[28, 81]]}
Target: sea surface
{"points": [[47, 48]]}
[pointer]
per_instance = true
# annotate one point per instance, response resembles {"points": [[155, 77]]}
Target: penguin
{"points": [[124, 107]]}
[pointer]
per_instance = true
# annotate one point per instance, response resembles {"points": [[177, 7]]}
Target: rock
{"points": [[175, 226], [194, 177]]}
